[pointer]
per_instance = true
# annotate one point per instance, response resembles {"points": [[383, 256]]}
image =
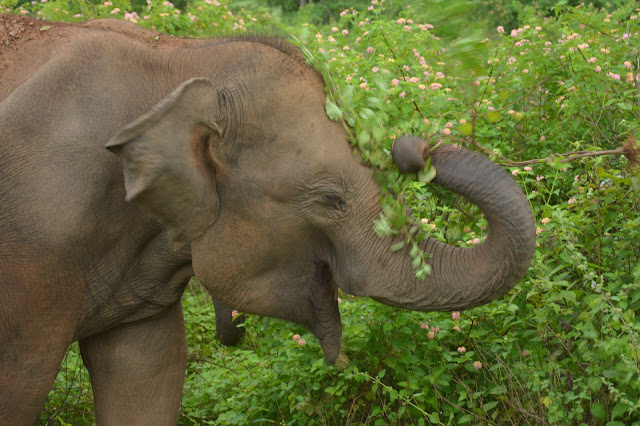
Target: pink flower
{"points": [[395, 82], [525, 353], [598, 69], [545, 220], [339, 300], [583, 46], [527, 169], [334, 29], [302, 342], [448, 124], [538, 230], [614, 76], [431, 335], [296, 337], [571, 200], [456, 328], [455, 315], [515, 172], [402, 94], [627, 64], [345, 32], [424, 326], [543, 138], [526, 71], [539, 178], [591, 60], [375, 69], [475, 241], [446, 131], [626, 36], [477, 365], [234, 313], [370, 49], [500, 29], [462, 349], [424, 220]]}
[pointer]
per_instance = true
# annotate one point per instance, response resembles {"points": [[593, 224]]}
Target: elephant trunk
{"points": [[461, 278]]}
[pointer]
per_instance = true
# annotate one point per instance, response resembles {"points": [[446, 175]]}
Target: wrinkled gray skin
{"points": [[227, 167]]}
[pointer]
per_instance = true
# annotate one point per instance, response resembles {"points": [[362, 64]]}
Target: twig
{"points": [[629, 150]]}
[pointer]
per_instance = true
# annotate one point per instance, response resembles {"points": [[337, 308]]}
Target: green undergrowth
{"points": [[552, 94]]}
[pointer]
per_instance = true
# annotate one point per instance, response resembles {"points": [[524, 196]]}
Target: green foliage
{"points": [[561, 348]]}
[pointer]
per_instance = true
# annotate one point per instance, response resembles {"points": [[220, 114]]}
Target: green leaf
{"points": [[426, 176], [625, 106], [595, 383], [434, 417], [382, 228], [598, 411], [397, 246], [493, 116], [610, 374], [466, 129], [379, 133], [366, 113], [333, 111], [363, 137], [619, 409]]}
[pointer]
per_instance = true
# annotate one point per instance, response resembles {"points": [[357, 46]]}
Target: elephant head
{"points": [[279, 211]]}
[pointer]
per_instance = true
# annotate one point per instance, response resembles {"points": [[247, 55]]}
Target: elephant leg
{"points": [[227, 330], [35, 333], [28, 367], [137, 370]]}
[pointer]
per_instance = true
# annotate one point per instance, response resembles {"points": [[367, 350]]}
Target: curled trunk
{"points": [[461, 278]]}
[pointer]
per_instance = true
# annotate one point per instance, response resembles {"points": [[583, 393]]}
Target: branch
{"points": [[631, 150]]}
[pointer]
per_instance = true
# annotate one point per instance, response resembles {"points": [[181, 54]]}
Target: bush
{"points": [[548, 99]]}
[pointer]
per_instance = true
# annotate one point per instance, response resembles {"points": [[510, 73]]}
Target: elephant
{"points": [[131, 161], [227, 330]]}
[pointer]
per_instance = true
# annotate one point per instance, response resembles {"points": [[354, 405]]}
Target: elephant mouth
{"points": [[326, 324]]}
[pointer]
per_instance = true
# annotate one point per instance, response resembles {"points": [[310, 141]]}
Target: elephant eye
{"points": [[335, 201]]}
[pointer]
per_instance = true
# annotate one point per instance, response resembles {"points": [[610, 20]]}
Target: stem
{"points": [[570, 156]]}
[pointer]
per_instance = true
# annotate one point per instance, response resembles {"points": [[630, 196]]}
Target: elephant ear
{"points": [[168, 156]]}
